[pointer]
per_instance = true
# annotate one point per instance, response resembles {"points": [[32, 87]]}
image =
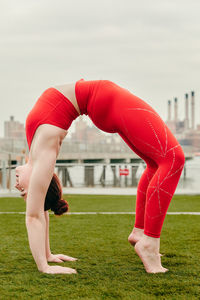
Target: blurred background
{"points": [[149, 47]]}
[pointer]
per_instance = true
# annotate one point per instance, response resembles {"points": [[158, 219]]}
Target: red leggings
{"points": [[114, 109]]}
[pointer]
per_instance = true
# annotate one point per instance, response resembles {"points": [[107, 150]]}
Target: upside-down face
{"points": [[22, 179]]}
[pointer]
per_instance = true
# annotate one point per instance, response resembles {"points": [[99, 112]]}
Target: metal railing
{"points": [[99, 175]]}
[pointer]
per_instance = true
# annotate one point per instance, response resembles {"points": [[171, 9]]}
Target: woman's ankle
{"points": [[150, 243], [138, 230]]}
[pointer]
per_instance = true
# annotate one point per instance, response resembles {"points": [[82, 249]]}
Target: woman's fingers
{"points": [[59, 270], [59, 258], [66, 257], [56, 260]]}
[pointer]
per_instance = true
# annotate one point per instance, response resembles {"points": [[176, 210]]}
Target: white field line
{"points": [[102, 213]]}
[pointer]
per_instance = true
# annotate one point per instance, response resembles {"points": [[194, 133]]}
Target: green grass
{"points": [[107, 267]]}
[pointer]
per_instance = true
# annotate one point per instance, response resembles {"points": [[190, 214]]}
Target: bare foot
{"points": [[147, 248], [135, 235]]}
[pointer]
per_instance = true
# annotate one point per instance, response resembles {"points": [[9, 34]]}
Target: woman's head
{"points": [[22, 178], [54, 199]]}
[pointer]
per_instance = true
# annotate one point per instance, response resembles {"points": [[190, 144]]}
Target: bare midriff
{"points": [[68, 90]]}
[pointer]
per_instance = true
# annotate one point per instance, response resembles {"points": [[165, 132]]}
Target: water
{"points": [[191, 182]]}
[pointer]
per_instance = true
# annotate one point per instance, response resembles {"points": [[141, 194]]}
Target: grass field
{"points": [[107, 267]]}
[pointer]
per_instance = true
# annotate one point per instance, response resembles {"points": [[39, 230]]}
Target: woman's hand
{"points": [[58, 270], [59, 258]]}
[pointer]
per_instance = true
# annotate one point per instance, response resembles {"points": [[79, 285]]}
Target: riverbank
{"points": [[101, 191]]}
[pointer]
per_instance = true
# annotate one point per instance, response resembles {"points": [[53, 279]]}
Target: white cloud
{"points": [[150, 47]]}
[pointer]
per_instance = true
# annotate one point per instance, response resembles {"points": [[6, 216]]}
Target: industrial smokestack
{"points": [[169, 110], [192, 110], [175, 109], [186, 112]]}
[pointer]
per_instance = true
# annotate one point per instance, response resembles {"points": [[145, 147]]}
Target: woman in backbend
{"points": [[112, 109]]}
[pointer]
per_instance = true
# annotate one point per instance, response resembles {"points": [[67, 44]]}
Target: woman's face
{"points": [[22, 179]]}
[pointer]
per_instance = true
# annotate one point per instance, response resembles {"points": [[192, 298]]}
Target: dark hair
{"points": [[54, 199]]}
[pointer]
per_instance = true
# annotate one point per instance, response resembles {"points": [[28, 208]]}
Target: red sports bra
{"points": [[53, 108]]}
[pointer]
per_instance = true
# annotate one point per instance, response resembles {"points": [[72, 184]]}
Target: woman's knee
{"points": [[174, 159]]}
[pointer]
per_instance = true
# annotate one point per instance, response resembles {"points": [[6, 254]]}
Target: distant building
{"points": [[14, 129], [185, 131], [87, 134], [92, 135]]}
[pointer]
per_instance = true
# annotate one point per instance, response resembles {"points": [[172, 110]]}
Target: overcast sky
{"points": [[151, 47]]}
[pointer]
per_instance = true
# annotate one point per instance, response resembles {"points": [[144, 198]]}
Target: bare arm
{"points": [[43, 158], [57, 258], [48, 251], [42, 173]]}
